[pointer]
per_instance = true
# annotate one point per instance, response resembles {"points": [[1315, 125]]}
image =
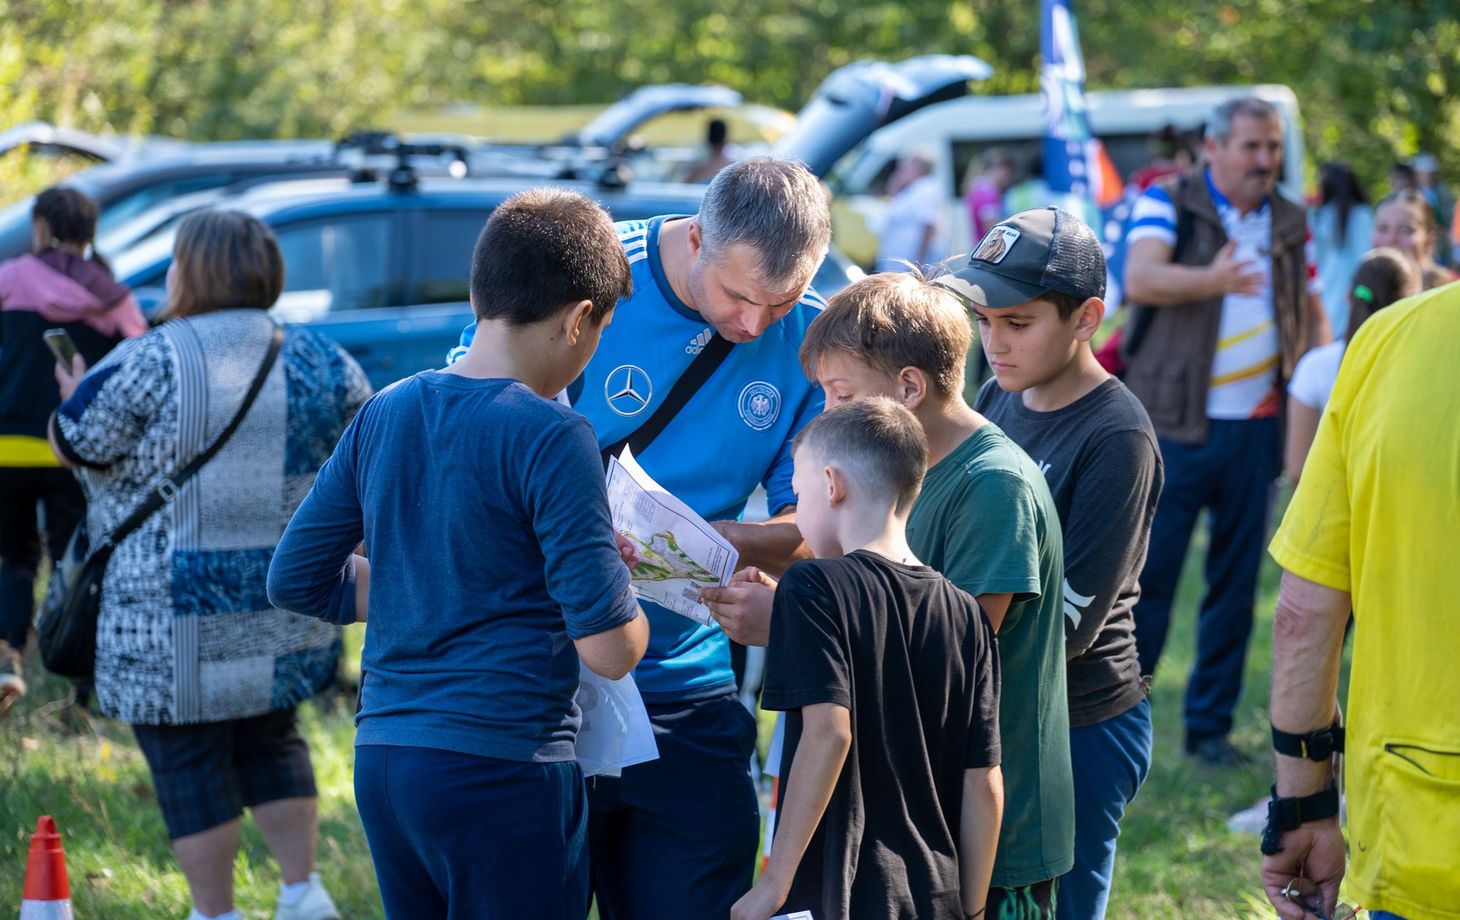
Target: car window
{"points": [[15, 232], [1026, 152], [877, 185], [863, 172], [1128, 152], [125, 207], [146, 263], [334, 265], [445, 271]]}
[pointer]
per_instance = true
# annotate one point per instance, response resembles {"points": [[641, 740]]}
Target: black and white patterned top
{"points": [[186, 632]]}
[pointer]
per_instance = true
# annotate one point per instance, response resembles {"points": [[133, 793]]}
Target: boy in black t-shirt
{"points": [[889, 676], [1038, 300]]}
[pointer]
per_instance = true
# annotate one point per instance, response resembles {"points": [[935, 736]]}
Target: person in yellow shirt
{"points": [[1374, 527]]}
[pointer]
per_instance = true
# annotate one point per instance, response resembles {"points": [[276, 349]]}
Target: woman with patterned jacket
{"points": [[189, 651], [58, 285]]}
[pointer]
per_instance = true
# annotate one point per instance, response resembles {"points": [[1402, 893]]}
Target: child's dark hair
{"points": [[1339, 186], [1065, 304], [878, 442], [890, 321], [1167, 142], [543, 249], [70, 214], [1383, 276]]}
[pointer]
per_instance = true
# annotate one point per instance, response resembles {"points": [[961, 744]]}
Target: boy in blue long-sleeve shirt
{"points": [[493, 570]]}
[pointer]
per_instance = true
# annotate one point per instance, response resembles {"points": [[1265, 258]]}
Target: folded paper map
{"points": [[679, 552]]}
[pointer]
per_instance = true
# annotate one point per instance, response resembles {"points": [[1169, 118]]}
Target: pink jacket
{"points": [[29, 283]]}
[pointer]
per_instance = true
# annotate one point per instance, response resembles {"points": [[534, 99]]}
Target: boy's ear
{"points": [[836, 485], [576, 320], [1088, 318], [912, 386]]}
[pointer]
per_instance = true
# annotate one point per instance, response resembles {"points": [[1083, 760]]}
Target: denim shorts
{"points": [[207, 774]]}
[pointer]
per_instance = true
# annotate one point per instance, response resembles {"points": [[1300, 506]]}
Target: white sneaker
{"points": [[316, 904], [12, 678], [1250, 820], [1254, 820]]}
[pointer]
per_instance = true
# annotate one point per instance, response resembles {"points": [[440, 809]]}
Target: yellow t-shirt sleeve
{"points": [[1313, 540]]}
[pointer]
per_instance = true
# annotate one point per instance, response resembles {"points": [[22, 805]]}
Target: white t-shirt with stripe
{"points": [[1244, 369]]}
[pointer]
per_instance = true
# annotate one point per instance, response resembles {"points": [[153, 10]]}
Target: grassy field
{"points": [[1176, 857]]}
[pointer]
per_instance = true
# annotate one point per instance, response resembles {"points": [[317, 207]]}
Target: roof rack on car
{"points": [[365, 145]]}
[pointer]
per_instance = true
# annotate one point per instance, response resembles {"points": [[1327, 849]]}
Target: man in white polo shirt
{"points": [[1223, 270]]}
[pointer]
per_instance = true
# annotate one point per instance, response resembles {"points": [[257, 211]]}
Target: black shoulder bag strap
{"points": [[1141, 316], [166, 490], [700, 369]]}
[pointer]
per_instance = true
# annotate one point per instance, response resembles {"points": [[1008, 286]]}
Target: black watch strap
{"points": [[1316, 746], [1287, 814]]}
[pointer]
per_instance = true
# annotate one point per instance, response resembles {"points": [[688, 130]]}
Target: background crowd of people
{"points": [[463, 514]]}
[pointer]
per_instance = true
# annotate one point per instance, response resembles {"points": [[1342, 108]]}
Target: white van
{"points": [[957, 133]]}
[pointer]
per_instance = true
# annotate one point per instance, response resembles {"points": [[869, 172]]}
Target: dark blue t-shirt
{"points": [[484, 512], [736, 432]]}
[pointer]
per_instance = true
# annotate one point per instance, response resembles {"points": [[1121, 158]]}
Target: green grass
{"points": [[1176, 857], [95, 783]]}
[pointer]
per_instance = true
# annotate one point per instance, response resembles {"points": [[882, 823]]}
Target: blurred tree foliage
{"points": [[1377, 79]]}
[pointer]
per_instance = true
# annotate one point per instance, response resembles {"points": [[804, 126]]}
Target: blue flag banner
{"points": [[1080, 175], [1072, 155]]}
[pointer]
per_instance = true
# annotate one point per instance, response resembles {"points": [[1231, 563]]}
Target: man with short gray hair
{"points": [[774, 207], [1221, 267], [721, 302]]}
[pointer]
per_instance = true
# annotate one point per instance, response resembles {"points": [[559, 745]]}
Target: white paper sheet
{"points": [[615, 732]]}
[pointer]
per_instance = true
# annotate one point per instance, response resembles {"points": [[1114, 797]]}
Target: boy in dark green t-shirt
{"points": [[985, 519]]}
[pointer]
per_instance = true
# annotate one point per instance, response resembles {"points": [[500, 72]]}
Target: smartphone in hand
{"points": [[61, 345]]}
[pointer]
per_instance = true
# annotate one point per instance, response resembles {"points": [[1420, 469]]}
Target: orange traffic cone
{"points": [[770, 824], [47, 893]]}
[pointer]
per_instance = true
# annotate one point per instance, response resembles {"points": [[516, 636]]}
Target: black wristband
{"points": [[1287, 814], [1315, 746]]}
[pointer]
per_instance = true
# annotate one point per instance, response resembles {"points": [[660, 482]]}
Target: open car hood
{"points": [[50, 139], [38, 134], [860, 98], [648, 102]]}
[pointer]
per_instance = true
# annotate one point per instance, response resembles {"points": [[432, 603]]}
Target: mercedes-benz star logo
{"points": [[628, 389]]}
